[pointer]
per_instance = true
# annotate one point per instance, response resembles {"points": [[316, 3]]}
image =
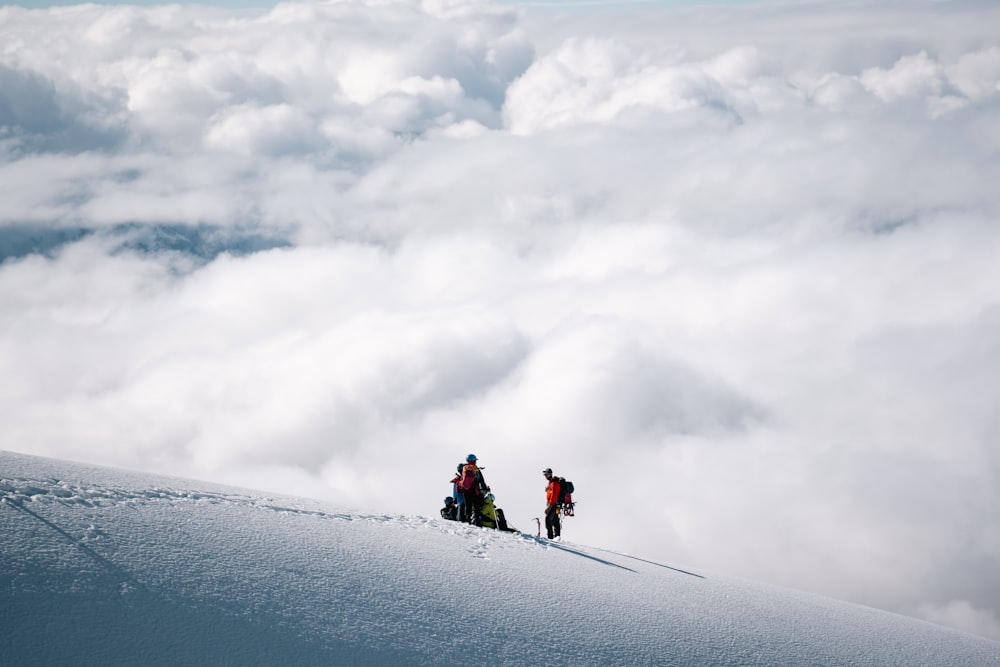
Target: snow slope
{"points": [[105, 567]]}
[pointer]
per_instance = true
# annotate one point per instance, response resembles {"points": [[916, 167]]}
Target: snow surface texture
{"points": [[108, 567]]}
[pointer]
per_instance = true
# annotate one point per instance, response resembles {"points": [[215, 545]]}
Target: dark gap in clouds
{"points": [[27, 100], [39, 117], [200, 242], [885, 225], [125, 176], [19, 241]]}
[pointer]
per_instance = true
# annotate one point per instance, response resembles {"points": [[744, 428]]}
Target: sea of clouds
{"points": [[734, 270]]}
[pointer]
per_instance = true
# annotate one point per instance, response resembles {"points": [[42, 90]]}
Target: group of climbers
{"points": [[472, 502]]}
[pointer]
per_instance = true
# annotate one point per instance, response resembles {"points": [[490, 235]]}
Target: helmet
{"points": [[547, 471], [449, 500], [471, 458]]}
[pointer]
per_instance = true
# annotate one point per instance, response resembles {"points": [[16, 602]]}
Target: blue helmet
{"points": [[471, 458], [449, 500]]}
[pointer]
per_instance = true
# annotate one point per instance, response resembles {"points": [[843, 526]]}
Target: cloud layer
{"points": [[733, 271]]}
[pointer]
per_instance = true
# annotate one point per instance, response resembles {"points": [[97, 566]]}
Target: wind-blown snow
{"points": [[108, 567]]}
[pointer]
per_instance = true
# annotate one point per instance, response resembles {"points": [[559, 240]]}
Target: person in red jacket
{"points": [[553, 498], [471, 484]]}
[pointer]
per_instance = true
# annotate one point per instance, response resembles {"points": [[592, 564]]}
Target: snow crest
{"points": [[108, 567]]}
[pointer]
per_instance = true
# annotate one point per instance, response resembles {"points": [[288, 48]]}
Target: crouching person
{"points": [[450, 509]]}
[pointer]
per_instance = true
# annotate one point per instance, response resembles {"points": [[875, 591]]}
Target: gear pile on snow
{"points": [[471, 500]]}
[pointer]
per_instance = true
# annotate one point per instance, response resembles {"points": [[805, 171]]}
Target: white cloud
{"points": [[962, 614], [911, 76], [273, 130], [977, 74], [599, 80], [739, 261]]}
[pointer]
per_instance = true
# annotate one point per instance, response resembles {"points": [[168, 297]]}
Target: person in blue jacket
{"points": [[457, 495]]}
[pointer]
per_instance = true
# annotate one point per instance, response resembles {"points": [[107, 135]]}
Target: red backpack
{"points": [[468, 480]]}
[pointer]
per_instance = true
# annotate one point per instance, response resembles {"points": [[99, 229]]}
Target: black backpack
{"points": [[567, 502]]}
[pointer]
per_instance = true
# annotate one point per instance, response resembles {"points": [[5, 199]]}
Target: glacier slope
{"points": [[100, 566]]}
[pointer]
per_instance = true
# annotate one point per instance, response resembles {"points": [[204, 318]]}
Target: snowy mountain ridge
{"points": [[102, 566]]}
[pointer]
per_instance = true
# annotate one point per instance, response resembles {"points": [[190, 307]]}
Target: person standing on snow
{"points": [[553, 497], [473, 488], [457, 493]]}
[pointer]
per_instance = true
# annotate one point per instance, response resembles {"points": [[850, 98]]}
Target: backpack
{"points": [[468, 480], [502, 522], [566, 488]]}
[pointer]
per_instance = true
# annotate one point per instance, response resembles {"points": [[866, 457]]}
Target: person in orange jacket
{"points": [[553, 498]]}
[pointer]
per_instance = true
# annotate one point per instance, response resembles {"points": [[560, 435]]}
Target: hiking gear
{"points": [[450, 512], [468, 480], [471, 458], [493, 516], [449, 500], [502, 522], [489, 512], [547, 471], [473, 487], [566, 489]]}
